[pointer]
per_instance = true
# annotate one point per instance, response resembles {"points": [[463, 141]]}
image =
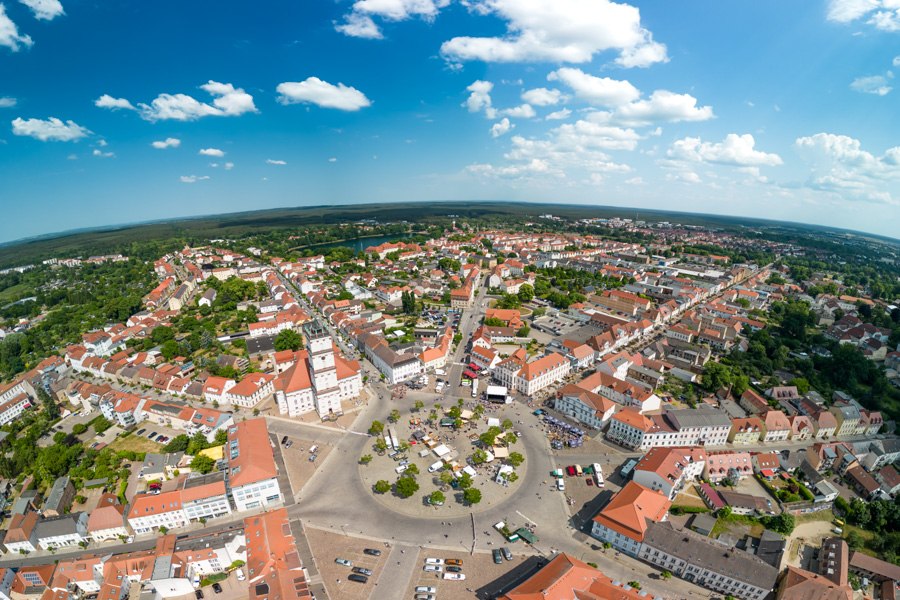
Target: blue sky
{"points": [[121, 112]]}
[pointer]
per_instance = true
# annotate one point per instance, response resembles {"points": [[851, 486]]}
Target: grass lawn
{"points": [[11, 293], [685, 499], [135, 443], [822, 515], [738, 523]]}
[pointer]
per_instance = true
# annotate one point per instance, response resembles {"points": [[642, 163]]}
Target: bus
{"points": [[598, 474], [474, 388]]}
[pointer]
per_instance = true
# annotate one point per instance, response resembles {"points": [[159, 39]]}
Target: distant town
{"points": [[504, 408]]}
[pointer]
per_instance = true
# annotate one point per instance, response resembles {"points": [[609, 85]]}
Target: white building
{"points": [[14, 407], [252, 473], [593, 410], [541, 373], [62, 532], [669, 470]]}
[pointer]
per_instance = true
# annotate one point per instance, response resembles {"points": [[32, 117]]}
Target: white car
{"points": [[455, 576], [434, 561], [426, 589], [240, 575], [433, 568]]}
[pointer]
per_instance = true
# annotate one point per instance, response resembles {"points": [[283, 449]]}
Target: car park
{"points": [[455, 576], [362, 571], [372, 552], [498, 557], [343, 561], [433, 569], [358, 578], [425, 589]]}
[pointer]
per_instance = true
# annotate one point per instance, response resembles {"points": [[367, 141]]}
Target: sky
{"points": [[121, 112]]}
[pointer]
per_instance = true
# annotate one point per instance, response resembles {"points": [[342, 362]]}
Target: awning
{"points": [[767, 472], [469, 374]]}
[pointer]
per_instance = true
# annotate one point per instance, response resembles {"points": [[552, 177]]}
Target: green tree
{"points": [[472, 496], [380, 445], [716, 376], [479, 457], [464, 481], [202, 464], [288, 339], [376, 428], [51, 408], [437, 497], [382, 486], [179, 443], [412, 469], [526, 292], [445, 478], [365, 459], [515, 459], [101, 424], [802, 385], [419, 405], [506, 424], [406, 486], [394, 416], [490, 436]]}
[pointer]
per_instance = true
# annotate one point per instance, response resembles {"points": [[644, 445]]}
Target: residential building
{"points": [[62, 532], [251, 390], [704, 562], [668, 470], [766, 464], [541, 373], [847, 417], [630, 428], [777, 426], [21, 534], [745, 431], [197, 498], [624, 521], [252, 473], [59, 498], [565, 578], [727, 464], [274, 569], [588, 408], [107, 520]]}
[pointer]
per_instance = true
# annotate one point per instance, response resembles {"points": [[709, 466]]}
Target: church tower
{"points": [[322, 371]]}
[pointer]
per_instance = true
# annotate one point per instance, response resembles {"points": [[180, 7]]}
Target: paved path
{"points": [[401, 565]]}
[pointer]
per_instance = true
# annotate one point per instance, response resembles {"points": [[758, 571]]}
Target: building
{"points": [[565, 577], [745, 431], [700, 426], [834, 560], [251, 390], [107, 521], [727, 464], [624, 521], [847, 417], [318, 378], [668, 470], [593, 410], [797, 584], [777, 426], [630, 428], [62, 532], [541, 373], [252, 473], [21, 535], [274, 569], [705, 562], [59, 498], [197, 498]]}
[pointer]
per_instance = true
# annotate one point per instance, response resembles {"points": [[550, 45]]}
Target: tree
{"points": [[506, 424], [445, 478], [523, 331], [79, 428], [101, 424], [382, 486], [51, 408], [202, 464], [394, 416], [380, 445], [666, 575], [406, 486], [419, 405], [716, 376], [437, 498], [490, 436], [472, 496], [510, 438], [365, 459], [526, 292], [515, 459], [783, 523], [464, 481], [179, 443], [376, 428], [479, 457], [801, 384], [288, 339], [412, 469]]}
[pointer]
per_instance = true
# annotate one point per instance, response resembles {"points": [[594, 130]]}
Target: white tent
{"points": [[442, 451]]}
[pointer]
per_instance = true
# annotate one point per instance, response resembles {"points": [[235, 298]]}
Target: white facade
{"points": [[620, 542], [582, 412], [256, 494], [171, 519], [207, 508], [13, 408], [113, 533], [25, 546]]}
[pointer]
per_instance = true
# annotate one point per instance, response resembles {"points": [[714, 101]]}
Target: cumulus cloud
{"points": [[874, 84], [228, 101], [501, 127], [736, 150], [45, 10], [662, 106], [684, 177], [840, 165], [107, 101], [359, 21], [166, 143], [9, 33], [271, 161], [49, 130], [601, 91], [559, 31], [321, 93], [480, 98], [228, 166], [881, 14], [7, 102], [193, 178], [212, 152], [523, 111], [101, 154], [559, 115], [542, 97], [332, 159]]}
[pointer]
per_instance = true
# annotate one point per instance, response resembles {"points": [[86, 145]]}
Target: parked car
{"points": [[313, 457], [372, 552], [498, 557], [433, 569], [424, 597], [358, 578], [289, 444], [570, 471], [362, 571], [453, 561], [589, 481], [343, 561], [139, 431], [455, 576], [240, 574], [434, 561], [217, 588], [425, 589], [198, 594], [284, 440], [506, 553], [453, 569]]}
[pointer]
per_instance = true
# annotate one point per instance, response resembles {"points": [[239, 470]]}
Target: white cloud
{"points": [[840, 165], [635, 181], [166, 143], [601, 91], [736, 150], [480, 98], [228, 166], [7, 102], [321, 93], [501, 127], [559, 115], [212, 152], [559, 31], [873, 84], [193, 178], [52, 129], [535, 166], [542, 97], [332, 159], [107, 101], [683, 177], [101, 154], [662, 106], [359, 23], [523, 111], [228, 101], [9, 33], [896, 61], [46, 10], [271, 161], [881, 14]]}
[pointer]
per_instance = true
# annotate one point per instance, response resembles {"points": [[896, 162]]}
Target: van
{"points": [[436, 466], [399, 470], [578, 471], [838, 530], [561, 485], [313, 448]]}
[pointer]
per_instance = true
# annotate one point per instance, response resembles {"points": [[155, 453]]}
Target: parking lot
{"points": [[327, 546], [296, 460], [479, 570]]}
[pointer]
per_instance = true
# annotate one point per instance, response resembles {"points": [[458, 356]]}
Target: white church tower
{"points": [[322, 371]]}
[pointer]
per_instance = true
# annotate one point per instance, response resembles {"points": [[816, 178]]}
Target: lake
{"points": [[360, 244]]}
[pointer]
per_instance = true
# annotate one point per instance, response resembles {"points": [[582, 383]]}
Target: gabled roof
{"points": [[630, 510], [249, 452]]}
